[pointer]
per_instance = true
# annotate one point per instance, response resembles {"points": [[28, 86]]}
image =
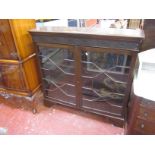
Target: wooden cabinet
{"points": [[18, 62], [88, 69], [149, 29], [141, 118]]}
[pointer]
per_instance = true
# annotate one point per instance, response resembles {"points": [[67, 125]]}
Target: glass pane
{"points": [[57, 66], [104, 81]]}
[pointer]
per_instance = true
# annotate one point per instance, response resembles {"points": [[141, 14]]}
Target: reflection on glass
{"points": [[104, 77]]}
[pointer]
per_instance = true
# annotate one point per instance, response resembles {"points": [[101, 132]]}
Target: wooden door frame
{"points": [[77, 66], [128, 52]]}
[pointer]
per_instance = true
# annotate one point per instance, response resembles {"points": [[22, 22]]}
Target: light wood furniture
{"points": [[134, 23], [88, 69], [18, 64]]}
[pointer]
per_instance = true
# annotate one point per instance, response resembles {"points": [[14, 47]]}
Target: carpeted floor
{"points": [[17, 118]]}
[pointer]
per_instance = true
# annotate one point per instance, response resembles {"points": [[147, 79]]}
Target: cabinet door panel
{"points": [[22, 37], [104, 80], [58, 74], [12, 78], [7, 46]]}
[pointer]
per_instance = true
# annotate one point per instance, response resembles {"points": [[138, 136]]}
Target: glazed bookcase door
{"points": [[58, 74], [104, 80]]}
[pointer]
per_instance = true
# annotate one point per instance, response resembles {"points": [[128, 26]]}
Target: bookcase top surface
{"points": [[83, 31]]}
